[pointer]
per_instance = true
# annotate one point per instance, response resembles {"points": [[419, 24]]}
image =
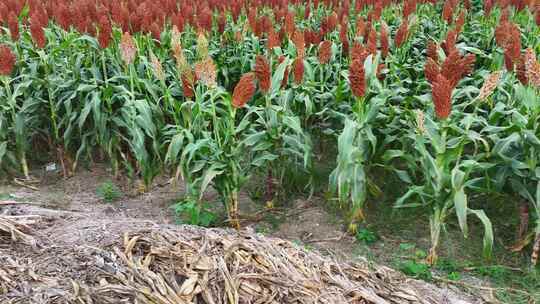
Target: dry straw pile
{"points": [[171, 264]]}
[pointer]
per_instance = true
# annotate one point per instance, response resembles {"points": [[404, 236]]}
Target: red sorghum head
{"points": [[357, 78], [244, 90], [7, 60], [263, 73]]}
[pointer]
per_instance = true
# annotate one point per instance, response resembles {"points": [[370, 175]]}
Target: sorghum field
{"points": [[430, 109]]}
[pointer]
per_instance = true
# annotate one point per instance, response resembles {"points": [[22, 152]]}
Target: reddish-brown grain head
{"points": [[7, 60], [206, 72], [63, 16], [105, 32], [385, 40], [380, 68], [299, 43], [521, 71], [490, 84], [502, 34], [285, 79], [505, 16], [409, 7], [513, 44], [534, 74], [38, 33], [325, 51], [244, 90], [467, 64], [455, 67], [467, 4], [449, 45], [431, 70], [358, 52], [377, 10], [402, 33], [488, 6], [188, 82], [222, 22], [13, 26], [431, 51], [128, 49], [263, 73], [357, 78], [441, 92], [529, 61], [460, 21], [448, 11], [273, 39], [360, 27], [289, 25], [332, 22], [508, 61], [372, 42], [343, 33], [298, 70], [4, 11]]}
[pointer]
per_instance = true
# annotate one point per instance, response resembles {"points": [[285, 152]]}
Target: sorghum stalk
{"points": [[440, 209], [21, 151], [104, 66]]}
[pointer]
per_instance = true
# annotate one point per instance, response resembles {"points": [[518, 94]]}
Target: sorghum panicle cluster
{"points": [[445, 78], [298, 70], [385, 42], [263, 73], [127, 48], [206, 72], [285, 79], [244, 90], [442, 97], [357, 78], [7, 60], [489, 85], [402, 33], [325, 51], [432, 51]]}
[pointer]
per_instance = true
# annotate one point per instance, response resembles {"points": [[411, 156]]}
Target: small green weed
{"points": [[416, 270], [454, 276], [406, 246], [420, 254], [448, 265], [366, 236], [262, 229], [109, 192], [495, 272], [193, 213]]}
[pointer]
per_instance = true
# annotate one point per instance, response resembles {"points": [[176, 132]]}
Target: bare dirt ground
{"points": [[73, 215]]}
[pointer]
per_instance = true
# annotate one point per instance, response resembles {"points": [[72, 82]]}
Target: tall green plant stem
{"points": [[104, 66], [440, 207], [231, 195], [18, 137]]}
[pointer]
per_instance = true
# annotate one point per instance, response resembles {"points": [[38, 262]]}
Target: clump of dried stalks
{"points": [[171, 264], [17, 228], [216, 267]]}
